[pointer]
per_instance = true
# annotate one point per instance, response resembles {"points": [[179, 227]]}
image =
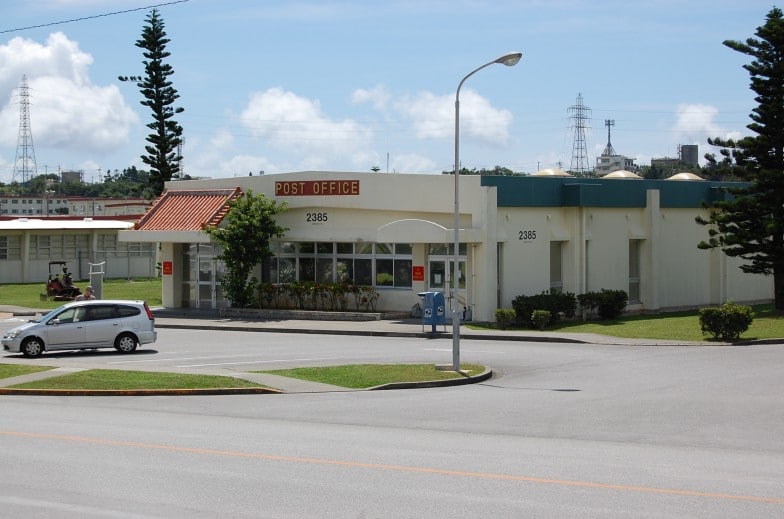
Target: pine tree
{"points": [[750, 223], [159, 95]]}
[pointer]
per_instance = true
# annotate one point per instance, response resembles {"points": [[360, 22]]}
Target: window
{"points": [[100, 313], [362, 263], [385, 276], [634, 271], [556, 266], [40, 247], [107, 244], [127, 311], [10, 247]]}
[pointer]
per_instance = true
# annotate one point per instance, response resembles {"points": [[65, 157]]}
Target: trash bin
{"points": [[433, 309]]}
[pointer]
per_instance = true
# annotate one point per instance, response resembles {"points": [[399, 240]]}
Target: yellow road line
{"points": [[401, 468]]}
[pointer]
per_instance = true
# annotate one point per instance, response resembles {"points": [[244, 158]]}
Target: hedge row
{"points": [[609, 304]]}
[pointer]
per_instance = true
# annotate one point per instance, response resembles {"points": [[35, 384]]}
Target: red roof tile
{"points": [[188, 210]]}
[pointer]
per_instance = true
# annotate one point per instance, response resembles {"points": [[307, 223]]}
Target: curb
{"points": [[486, 374], [139, 392]]}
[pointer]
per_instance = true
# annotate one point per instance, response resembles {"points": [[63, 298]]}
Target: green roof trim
{"points": [[527, 191]]}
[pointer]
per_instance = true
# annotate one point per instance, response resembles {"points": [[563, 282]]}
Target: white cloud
{"points": [[412, 163], [434, 117], [218, 157], [288, 122], [378, 96], [699, 120], [67, 111]]}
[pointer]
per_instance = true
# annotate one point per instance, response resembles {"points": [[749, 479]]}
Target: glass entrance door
{"points": [[441, 277], [206, 293], [438, 274]]}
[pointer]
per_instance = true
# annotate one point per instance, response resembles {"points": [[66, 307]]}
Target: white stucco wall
{"points": [[419, 209]]}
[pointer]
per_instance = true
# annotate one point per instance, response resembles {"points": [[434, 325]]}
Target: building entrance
{"points": [[441, 278], [207, 283], [202, 278]]}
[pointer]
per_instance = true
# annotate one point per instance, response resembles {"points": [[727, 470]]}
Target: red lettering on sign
{"points": [[317, 188]]}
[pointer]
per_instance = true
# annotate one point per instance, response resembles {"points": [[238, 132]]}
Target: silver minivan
{"points": [[80, 325]]}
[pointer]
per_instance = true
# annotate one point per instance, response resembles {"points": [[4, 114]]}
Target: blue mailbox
{"points": [[433, 309]]}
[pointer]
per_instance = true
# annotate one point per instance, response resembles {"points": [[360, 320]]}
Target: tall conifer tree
{"points": [[159, 96], [750, 223]]}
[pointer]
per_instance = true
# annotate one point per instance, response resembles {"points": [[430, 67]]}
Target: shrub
{"points": [[504, 317], [557, 303], [609, 304], [726, 323], [589, 302], [612, 303], [540, 318]]}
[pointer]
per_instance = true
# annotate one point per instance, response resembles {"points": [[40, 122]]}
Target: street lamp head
{"points": [[511, 59]]}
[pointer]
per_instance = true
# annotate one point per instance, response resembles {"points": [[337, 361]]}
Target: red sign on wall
{"points": [[317, 188], [418, 273], [167, 268]]}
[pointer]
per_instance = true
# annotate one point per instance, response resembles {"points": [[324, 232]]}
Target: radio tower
{"points": [[581, 115], [609, 150], [24, 162]]}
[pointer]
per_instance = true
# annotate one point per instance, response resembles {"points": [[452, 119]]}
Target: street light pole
{"points": [[509, 60]]}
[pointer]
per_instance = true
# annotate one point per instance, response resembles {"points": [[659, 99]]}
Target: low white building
{"points": [[518, 236], [28, 245]]}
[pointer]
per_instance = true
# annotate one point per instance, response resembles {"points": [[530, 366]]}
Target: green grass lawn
{"points": [[682, 326], [102, 379], [15, 370], [359, 376], [362, 376], [29, 294]]}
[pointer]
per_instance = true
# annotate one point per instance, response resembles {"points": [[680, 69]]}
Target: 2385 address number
{"points": [[316, 217], [526, 235]]}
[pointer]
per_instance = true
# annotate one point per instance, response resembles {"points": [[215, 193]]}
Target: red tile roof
{"points": [[188, 210]]}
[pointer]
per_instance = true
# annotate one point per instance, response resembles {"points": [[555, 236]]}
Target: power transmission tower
{"points": [[24, 162], [581, 115]]}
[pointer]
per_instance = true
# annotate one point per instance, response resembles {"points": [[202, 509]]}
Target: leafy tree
{"points": [[721, 169], [159, 95], [497, 170], [245, 236], [42, 184], [750, 224]]}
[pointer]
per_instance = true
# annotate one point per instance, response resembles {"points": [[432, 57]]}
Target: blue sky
{"points": [[280, 86]]}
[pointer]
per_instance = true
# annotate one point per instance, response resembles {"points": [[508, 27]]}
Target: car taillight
{"points": [[149, 312]]}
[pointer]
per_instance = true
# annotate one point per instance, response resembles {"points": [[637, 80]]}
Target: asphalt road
{"points": [[562, 430]]}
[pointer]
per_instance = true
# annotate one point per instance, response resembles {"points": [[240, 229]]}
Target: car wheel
{"points": [[33, 347], [125, 343]]}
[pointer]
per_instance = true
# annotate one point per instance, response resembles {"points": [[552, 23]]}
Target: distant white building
{"points": [[28, 245], [610, 161], [59, 206]]}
